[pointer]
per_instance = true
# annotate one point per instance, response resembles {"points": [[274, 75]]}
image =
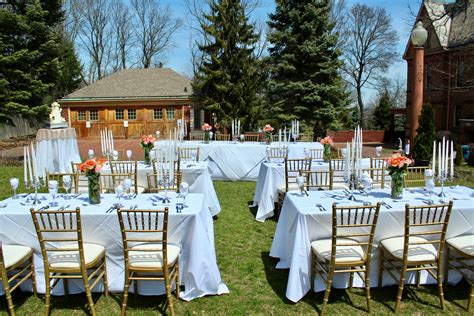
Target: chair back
{"points": [[356, 223], [189, 153], [305, 137], [59, 178], [126, 168], [315, 153], [157, 164], [337, 164], [156, 186], [429, 222], [222, 137], [144, 227], [196, 136], [59, 232], [109, 181], [82, 183], [415, 175], [378, 163], [276, 153], [317, 180], [293, 168], [251, 137]]}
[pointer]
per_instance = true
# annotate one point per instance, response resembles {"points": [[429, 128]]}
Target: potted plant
{"points": [[426, 134]]}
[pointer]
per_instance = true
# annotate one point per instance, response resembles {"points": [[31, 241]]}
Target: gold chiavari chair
{"points": [[414, 175], [154, 186], [292, 171], [315, 153], [189, 153], [222, 137], [176, 163], [317, 180], [276, 153], [65, 254], [275, 138], [460, 257], [16, 266], [128, 168], [109, 181], [82, 184], [377, 175], [337, 167], [305, 138], [251, 137], [148, 254], [378, 163], [196, 136], [420, 248], [349, 250], [59, 177]]}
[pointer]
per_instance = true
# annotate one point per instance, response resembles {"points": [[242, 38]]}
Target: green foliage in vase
{"points": [[228, 80], [304, 65], [423, 142]]}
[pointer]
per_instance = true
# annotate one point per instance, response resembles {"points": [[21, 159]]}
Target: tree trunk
{"points": [[360, 102]]}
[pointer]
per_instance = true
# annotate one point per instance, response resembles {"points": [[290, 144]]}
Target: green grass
{"points": [[256, 287]]}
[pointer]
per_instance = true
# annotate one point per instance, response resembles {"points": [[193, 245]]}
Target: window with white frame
{"points": [[81, 115], [132, 114], [170, 114], [119, 114], [157, 114], [93, 115]]}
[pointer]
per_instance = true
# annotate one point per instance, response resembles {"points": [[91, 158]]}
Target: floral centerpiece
{"points": [[206, 128], [147, 144], [327, 142], [91, 168], [268, 129], [397, 167]]}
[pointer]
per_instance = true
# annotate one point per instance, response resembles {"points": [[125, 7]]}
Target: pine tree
{"points": [[381, 115], [426, 134], [227, 82], [304, 65], [37, 66]]}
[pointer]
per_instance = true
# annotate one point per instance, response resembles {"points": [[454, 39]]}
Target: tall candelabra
{"points": [[166, 182], [35, 184], [443, 177]]}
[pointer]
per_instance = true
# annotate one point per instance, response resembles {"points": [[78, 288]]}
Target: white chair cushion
{"points": [[464, 244], [152, 259], [71, 260], [13, 254], [291, 186], [423, 252], [322, 249]]}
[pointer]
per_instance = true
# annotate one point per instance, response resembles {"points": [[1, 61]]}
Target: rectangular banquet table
{"points": [[272, 176], [192, 230], [195, 174], [301, 222], [240, 161]]}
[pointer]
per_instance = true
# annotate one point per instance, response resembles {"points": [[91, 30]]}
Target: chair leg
{"points": [[33, 277], [471, 296], [168, 293], [88, 293], [380, 268], [418, 276], [135, 288], [328, 290], [47, 294], [177, 280], [66, 287], [313, 272], [125, 292], [8, 296], [400, 288], [106, 282], [440, 284], [367, 288], [351, 279], [446, 267]]}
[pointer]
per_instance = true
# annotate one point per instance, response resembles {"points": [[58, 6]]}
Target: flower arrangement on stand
{"points": [[91, 168], [327, 142], [397, 167], [147, 143], [268, 129], [206, 128]]}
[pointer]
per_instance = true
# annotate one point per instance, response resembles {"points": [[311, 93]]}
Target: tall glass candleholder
{"points": [[165, 182], [351, 181], [443, 177], [36, 185]]}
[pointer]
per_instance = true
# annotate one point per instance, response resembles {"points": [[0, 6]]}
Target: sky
{"points": [[179, 56]]}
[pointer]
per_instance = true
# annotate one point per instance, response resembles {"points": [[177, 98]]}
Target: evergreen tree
{"points": [[304, 65], [227, 82], [37, 65], [426, 133], [381, 115]]}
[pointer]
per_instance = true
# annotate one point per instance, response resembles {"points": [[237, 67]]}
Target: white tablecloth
{"points": [[192, 230], [240, 161], [272, 176], [301, 222], [56, 149], [196, 174]]}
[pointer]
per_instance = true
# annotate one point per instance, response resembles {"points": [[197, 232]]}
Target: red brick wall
{"points": [[368, 136]]}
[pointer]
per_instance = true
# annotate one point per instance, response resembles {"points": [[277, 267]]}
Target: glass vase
{"points": [[206, 137], [94, 188], [268, 139], [146, 158], [397, 185], [327, 152]]}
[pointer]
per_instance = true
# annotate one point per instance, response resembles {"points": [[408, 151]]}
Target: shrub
{"points": [[459, 156], [423, 142]]}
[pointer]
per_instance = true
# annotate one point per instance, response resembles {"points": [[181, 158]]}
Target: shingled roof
{"points": [[136, 83]]}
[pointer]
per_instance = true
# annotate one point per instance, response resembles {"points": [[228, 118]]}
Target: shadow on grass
{"points": [[19, 298], [253, 211], [277, 278]]}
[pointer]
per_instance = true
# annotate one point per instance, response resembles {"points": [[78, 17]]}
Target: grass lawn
{"points": [[256, 287]]}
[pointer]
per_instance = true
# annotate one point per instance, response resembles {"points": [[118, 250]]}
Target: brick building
{"points": [[448, 65]]}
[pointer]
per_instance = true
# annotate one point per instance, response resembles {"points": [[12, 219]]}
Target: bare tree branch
{"points": [[123, 32]]}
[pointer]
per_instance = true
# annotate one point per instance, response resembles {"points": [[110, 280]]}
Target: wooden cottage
{"points": [[130, 102]]}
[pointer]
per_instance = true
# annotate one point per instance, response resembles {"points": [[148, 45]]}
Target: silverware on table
{"points": [[321, 207]]}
